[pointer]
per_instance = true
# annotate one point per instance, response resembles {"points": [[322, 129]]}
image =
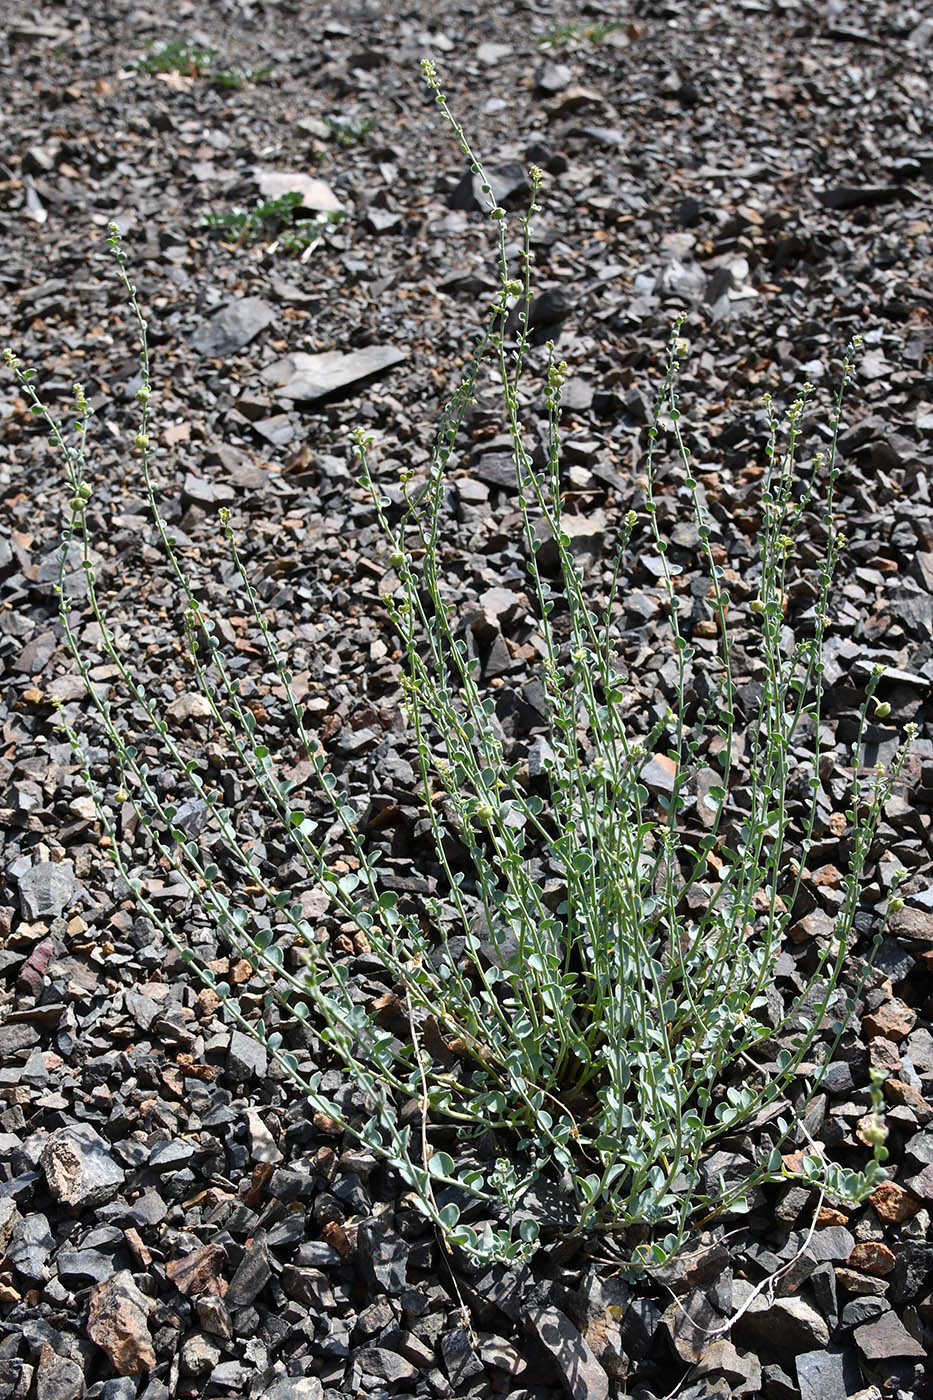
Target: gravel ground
{"points": [[172, 1221]]}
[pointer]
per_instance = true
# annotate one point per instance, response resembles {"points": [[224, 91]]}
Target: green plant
{"points": [[574, 33], [177, 56], [274, 219], [350, 130], [235, 79], [607, 1030], [182, 56]]}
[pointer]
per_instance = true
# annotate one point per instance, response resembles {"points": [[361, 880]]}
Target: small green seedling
{"points": [[274, 220]]}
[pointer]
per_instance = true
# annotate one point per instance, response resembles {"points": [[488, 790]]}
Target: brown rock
{"points": [[333, 1233], [199, 1272], [829, 1216], [137, 1245], [911, 925], [816, 924], [892, 1020], [893, 1203], [885, 1338], [118, 1323], [883, 1054], [862, 1285], [897, 1092], [871, 1258]]}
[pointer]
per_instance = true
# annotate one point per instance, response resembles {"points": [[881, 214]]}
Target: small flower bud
{"points": [[882, 709], [872, 1130], [141, 440]]}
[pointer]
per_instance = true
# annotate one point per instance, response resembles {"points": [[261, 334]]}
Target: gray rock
{"points": [[500, 1354], [79, 1267], [688, 1324], [383, 1256], [640, 1322], [200, 1354], [246, 1057], [384, 1365], [46, 889], [581, 1374], [829, 1374], [833, 1244], [741, 1370], [506, 179], [147, 1209], [461, 1361], [231, 1375], [553, 78], [58, 1377], [788, 1325], [695, 1266], [860, 1310], [120, 1388], [252, 1275], [214, 1316], [9, 1215], [172, 1154], [78, 1167], [586, 534], [308, 378], [196, 490], [233, 326], [31, 1243], [857, 196], [885, 1338], [778, 1384], [294, 1388]]}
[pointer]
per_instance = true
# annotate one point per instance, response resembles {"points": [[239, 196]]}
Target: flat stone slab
{"points": [[233, 326], [316, 195], [307, 378]]}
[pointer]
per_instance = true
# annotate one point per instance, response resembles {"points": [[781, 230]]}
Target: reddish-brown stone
{"points": [[118, 1323], [893, 1204], [871, 1257], [198, 1272], [892, 1020]]}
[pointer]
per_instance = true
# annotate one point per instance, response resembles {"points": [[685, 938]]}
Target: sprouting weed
{"points": [[276, 221]]}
